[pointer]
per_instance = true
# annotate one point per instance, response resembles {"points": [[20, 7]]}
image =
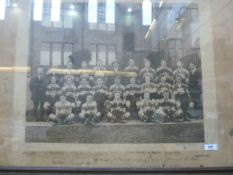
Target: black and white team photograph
{"points": [[136, 79], [91, 95]]}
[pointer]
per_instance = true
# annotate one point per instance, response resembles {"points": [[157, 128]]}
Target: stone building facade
{"points": [[174, 38]]}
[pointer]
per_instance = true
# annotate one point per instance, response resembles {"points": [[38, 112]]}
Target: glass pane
{"points": [[111, 27], [92, 11], [111, 57], [57, 24], [93, 58], [93, 50], [68, 22], [46, 15], [146, 12], [102, 26], [66, 57], [101, 12], [45, 54], [68, 49], [46, 21], [110, 12], [179, 53], [93, 26], [178, 44], [44, 58], [171, 44], [194, 15], [56, 55], [172, 53], [102, 54]]}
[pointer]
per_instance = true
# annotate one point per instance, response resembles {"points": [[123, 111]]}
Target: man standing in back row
{"points": [[37, 87]]}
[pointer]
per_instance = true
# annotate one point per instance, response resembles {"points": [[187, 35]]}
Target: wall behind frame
{"points": [[216, 28]]}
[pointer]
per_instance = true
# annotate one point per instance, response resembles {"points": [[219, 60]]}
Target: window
{"points": [[170, 20], [101, 20], [110, 12], [55, 54], [175, 50], [111, 54], [68, 48], [56, 10], [92, 11], [93, 49], [102, 53], [45, 54], [37, 10], [193, 14], [46, 22], [105, 53], [146, 12], [66, 20]]}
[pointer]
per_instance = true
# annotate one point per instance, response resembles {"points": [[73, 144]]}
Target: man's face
{"points": [[132, 80], [163, 64], [147, 79], [89, 98], [147, 63], [69, 65], [62, 98], [131, 62], [99, 82], [117, 81], [179, 65], [83, 81], [166, 95], [147, 96], [163, 79], [178, 104], [117, 96], [178, 79], [53, 80], [84, 64], [192, 66], [40, 71], [69, 81]]}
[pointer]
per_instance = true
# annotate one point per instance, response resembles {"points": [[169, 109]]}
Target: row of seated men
{"points": [[118, 110], [160, 96]]}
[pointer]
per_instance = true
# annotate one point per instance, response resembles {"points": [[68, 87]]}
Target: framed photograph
{"points": [[139, 85]]}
